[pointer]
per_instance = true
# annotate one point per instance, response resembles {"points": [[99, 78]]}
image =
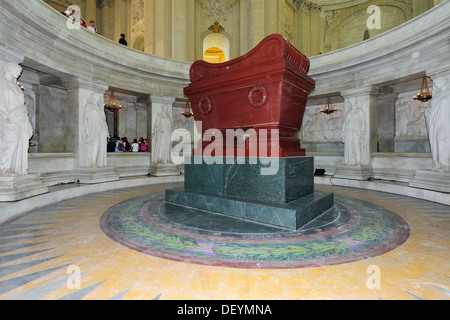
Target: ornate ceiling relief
{"points": [[409, 3], [137, 11], [332, 16], [137, 25], [216, 10], [308, 6]]}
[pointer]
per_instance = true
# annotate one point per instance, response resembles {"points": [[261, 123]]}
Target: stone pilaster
{"points": [[257, 16], [360, 117], [141, 120], [79, 92], [179, 30]]}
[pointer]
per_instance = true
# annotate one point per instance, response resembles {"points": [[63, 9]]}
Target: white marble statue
{"points": [[162, 137], [15, 126], [95, 133], [438, 124], [353, 132]]}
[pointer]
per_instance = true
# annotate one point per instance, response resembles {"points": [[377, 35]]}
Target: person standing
{"points": [[135, 146], [91, 26], [122, 39]]}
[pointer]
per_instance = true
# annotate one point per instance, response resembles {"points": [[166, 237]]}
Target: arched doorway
{"points": [[214, 55], [216, 48]]}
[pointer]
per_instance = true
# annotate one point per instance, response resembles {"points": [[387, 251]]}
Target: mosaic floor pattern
{"points": [[351, 231], [62, 252]]}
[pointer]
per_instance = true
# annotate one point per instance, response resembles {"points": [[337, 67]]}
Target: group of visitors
{"points": [[116, 144], [70, 14]]}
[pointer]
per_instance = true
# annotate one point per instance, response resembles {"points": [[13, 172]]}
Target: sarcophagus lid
{"points": [[267, 87]]}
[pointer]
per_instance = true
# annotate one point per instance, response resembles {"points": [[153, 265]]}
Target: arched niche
{"points": [[351, 26], [138, 43], [218, 43]]}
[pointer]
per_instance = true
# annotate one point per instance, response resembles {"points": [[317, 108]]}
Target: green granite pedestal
{"points": [[274, 191]]}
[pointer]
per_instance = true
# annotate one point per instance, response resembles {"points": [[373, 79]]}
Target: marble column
{"points": [[130, 121], [80, 93], [257, 18], [105, 26], [386, 122], [146, 26], [90, 12], [161, 144], [359, 133], [179, 30], [122, 21], [141, 120], [162, 30], [244, 44]]}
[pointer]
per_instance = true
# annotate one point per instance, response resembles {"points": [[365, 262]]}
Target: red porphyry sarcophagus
{"points": [[267, 88]]}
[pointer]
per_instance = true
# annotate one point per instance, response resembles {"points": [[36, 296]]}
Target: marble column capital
{"points": [[85, 83], [7, 55], [140, 106], [361, 91], [56, 93], [162, 100]]}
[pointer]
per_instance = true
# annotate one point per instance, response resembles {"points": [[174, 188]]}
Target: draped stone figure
{"points": [[15, 127], [95, 132], [162, 137], [353, 132], [438, 124]]}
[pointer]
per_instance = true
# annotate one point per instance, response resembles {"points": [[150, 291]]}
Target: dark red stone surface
{"points": [[267, 88]]}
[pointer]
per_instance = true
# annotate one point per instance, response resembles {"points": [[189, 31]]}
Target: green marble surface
{"points": [[292, 215], [293, 178]]}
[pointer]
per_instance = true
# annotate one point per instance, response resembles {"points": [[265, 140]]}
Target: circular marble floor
{"points": [[353, 230], [62, 252]]}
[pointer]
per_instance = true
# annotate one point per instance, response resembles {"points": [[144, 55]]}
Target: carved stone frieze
{"points": [[216, 9], [308, 6]]}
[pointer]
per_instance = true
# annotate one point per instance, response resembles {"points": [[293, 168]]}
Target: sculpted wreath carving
{"points": [[257, 96], [205, 105]]}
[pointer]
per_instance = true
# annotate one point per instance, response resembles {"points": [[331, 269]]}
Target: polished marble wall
{"points": [[390, 63]]}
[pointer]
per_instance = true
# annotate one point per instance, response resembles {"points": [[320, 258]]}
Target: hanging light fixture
{"points": [[328, 108], [112, 103], [424, 94], [187, 110]]}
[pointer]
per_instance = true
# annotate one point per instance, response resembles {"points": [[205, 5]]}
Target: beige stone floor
{"points": [[73, 259]]}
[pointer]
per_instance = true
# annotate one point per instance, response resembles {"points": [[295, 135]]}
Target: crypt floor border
{"points": [[40, 252]]}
